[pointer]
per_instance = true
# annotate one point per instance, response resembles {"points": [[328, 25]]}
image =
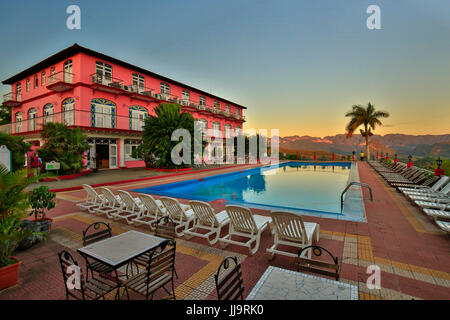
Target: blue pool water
{"points": [[298, 187]]}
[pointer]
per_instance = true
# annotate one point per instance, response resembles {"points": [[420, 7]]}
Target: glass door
{"points": [[113, 156], [68, 71]]}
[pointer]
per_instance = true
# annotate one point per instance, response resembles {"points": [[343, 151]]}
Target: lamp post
{"points": [[395, 159], [353, 155], [438, 171], [410, 164], [387, 156]]}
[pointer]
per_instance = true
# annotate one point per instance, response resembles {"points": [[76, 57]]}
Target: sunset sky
{"points": [[297, 65]]}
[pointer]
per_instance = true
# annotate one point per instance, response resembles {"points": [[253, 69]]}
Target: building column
{"points": [[121, 153]]}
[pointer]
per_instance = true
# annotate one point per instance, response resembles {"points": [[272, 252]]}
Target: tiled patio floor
{"points": [[412, 253]]}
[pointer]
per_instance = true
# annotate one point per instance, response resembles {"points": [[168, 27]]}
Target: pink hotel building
{"points": [[108, 98]]}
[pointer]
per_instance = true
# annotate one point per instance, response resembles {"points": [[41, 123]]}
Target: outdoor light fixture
{"points": [[409, 158], [439, 162]]}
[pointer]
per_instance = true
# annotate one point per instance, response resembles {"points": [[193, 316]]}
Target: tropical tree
{"points": [[64, 145], [18, 148], [157, 133], [367, 117], [5, 115]]}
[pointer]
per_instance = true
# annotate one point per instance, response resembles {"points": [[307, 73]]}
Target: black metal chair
{"points": [[160, 268], [164, 228], [95, 232], [316, 266], [79, 288], [230, 286]]}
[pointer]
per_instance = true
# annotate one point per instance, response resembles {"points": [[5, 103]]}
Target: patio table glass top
{"points": [[117, 250], [282, 284]]}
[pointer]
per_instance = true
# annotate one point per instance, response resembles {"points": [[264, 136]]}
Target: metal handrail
{"points": [[355, 183]]}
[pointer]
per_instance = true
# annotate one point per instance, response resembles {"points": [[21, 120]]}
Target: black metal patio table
{"points": [[120, 250]]}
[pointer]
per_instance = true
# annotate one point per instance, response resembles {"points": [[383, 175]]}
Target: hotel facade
{"points": [[108, 99]]}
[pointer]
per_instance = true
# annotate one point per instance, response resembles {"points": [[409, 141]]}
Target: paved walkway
{"points": [[411, 252]]}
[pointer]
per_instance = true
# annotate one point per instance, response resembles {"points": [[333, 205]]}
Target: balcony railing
{"points": [[96, 120], [12, 99], [60, 81]]}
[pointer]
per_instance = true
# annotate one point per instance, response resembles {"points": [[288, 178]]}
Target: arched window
{"points": [[48, 113], [103, 113], [18, 122], [227, 130], [32, 113], [138, 115], [68, 109]]}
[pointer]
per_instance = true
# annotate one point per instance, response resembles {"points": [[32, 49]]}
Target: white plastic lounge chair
{"points": [[110, 203], [245, 224], [131, 208], [444, 225], [432, 204], [290, 230], [443, 193], [436, 187], [151, 210], [439, 214], [206, 219], [93, 199], [182, 215]]}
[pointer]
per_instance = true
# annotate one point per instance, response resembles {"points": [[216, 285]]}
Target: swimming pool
{"points": [[305, 188]]}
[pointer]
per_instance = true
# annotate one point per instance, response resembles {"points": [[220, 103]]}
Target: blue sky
{"points": [[297, 65]]}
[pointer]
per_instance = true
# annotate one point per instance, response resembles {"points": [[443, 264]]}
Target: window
{"points": [[131, 145], [32, 119], [185, 95], [28, 84], [52, 74], [138, 115], [216, 105], [43, 78], [138, 82], [237, 112], [227, 130], [103, 73], [36, 81], [68, 108], [216, 126], [227, 109], [18, 121], [165, 88], [19, 92], [48, 113], [202, 101], [68, 71], [103, 113], [203, 124]]}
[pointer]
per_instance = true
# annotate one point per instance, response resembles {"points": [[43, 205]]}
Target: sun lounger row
{"points": [[198, 219]]}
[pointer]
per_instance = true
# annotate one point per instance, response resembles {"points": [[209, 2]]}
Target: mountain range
{"points": [[403, 144]]}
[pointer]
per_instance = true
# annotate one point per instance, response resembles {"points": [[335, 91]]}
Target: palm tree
{"points": [[158, 130], [366, 116]]}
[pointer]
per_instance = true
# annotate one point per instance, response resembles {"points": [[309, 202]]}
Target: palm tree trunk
{"points": [[367, 148]]}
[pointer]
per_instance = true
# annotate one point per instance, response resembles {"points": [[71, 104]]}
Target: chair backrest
{"points": [[174, 208], [204, 213], [109, 196], [241, 218], [150, 205], [128, 200], [289, 226], [161, 261], [229, 286], [438, 185], [91, 193], [316, 266], [68, 265], [431, 181], [165, 228], [95, 232]]}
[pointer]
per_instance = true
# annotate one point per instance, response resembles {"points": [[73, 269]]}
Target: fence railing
{"points": [[62, 76], [12, 96]]}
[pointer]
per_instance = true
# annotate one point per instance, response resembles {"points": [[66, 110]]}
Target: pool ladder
{"points": [[355, 183]]}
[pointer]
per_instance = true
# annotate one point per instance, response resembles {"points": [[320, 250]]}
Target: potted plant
{"points": [[41, 199], [13, 206]]}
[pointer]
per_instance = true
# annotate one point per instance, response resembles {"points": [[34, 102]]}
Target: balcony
{"points": [[108, 84], [60, 81], [76, 118], [143, 93], [12, 99]]}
